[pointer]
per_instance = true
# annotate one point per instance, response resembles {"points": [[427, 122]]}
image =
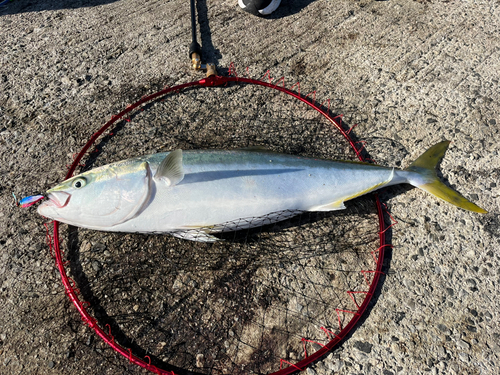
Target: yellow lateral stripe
{"points": [[374, 187]]}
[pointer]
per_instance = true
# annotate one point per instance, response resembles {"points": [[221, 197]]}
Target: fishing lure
{"points": [[31, 200]]}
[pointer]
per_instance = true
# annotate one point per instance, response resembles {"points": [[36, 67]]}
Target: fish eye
{"points": [[79, 183]]}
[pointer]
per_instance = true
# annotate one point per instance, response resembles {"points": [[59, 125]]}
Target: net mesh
{"points": [[258, 300]]}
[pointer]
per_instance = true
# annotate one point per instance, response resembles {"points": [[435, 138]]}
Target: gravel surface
{"points": [[409, 73]]}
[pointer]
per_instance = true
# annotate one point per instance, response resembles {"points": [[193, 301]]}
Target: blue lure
{"points": [[31, 200]]}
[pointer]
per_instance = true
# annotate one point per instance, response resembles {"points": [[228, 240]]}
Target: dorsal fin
{"points": [[255, 149], [170, 169]]}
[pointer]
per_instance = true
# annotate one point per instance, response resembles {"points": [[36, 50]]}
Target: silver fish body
{"points": [[213, 190]]}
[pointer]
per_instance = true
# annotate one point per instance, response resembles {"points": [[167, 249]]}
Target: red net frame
{"points": [[378, 255]]}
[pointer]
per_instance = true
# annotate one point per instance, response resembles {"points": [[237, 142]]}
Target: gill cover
{"points": [[108, 196]]}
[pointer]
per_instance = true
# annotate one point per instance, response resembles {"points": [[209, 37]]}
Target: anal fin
{"points": [[339, 204], [197, 235]]}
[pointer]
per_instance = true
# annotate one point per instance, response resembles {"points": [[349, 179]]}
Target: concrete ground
{"points": [[409, 73]]}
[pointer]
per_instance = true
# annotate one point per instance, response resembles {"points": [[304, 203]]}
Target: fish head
{"points": [[100, 198]]}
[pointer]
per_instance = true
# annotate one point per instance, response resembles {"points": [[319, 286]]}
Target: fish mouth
{"points": [[58, 199]]}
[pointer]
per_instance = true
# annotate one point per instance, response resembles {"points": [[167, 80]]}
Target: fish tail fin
{"points": [[427, 179]]}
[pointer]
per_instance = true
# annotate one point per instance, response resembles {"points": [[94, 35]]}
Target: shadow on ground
{"points": [[23, 6]]}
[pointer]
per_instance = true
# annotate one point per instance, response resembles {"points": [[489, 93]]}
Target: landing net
{"points": [[270, 299]]}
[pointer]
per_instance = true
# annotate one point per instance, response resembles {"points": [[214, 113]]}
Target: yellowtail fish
{"points": [[194, 194]]}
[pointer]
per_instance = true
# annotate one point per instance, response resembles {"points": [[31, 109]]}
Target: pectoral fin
{"points": [[170, 170]]}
